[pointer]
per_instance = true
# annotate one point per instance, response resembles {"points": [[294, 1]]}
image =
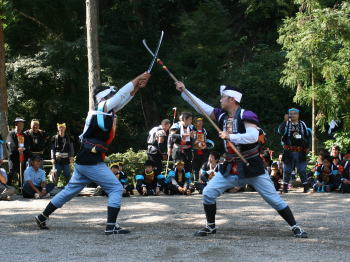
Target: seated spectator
{"points": [[149, 183], [277, 172], [336, 153], [117, 169], [5, 191], [346, 156], [319, 161], [311, 180], [35, 185], [325, 176], [179, 181], [208, 171], [340, 168], [345, 180], [266, 157]]}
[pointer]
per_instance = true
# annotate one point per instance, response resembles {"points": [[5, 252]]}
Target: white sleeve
{"points": [[249, 137], [207, 108], [121, 98]]}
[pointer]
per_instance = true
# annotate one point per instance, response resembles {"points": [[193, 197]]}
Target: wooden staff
{"points": [[228, 143], [167, 162]]}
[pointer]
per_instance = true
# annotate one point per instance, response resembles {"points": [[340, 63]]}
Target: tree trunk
{"points": [[92, 48], [3, 89], [313, 140]]}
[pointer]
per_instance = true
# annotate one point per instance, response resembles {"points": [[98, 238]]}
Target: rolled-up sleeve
{"points": [[249, 137], [121, 98]]}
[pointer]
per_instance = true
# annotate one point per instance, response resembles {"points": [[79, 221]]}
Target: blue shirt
{"points": [[35, 176], [1, 149]]}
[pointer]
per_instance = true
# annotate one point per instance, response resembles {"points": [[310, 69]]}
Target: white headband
{"points": [[231, 93], [104, 93]]}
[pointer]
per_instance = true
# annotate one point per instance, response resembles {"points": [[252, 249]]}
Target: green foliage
{"points": [[7, 15], [341, 139], [38, 88], [317, 43], [206, 44], [259, 81], [133, 162], [268, 9]]}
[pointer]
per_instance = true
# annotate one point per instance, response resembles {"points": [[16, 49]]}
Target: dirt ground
{"points": [[162, 230]]}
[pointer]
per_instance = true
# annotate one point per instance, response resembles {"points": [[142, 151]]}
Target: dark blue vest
{"points": [[94, 135], [256, 166]]}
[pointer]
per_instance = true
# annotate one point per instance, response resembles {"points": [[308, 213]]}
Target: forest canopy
{"points": [[270, 49]]}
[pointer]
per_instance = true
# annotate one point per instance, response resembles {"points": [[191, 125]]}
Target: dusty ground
{"points": [[162, 230]]}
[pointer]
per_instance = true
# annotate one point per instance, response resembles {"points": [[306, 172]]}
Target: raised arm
{"points": [[126, 93], [209, 110]]}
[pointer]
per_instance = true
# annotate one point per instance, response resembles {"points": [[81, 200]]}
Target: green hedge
{"points": [[132, 161]]}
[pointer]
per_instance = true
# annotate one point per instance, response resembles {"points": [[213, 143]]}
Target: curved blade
{"points": [[146, 46], [156, 53]]}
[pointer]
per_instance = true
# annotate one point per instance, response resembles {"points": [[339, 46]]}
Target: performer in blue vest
{"points": [[98, 133], [241, 128]]}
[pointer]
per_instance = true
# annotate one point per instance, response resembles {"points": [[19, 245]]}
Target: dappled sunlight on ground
{"points": [[162, 230]]}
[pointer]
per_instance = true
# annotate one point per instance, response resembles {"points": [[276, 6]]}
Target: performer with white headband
{"points": [[241, 128], [98, 133]]}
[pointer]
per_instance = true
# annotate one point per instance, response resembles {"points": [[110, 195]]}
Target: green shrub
{"points": [[342, 139], [132, 161]]}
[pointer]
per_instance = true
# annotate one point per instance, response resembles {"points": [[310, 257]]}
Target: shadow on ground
{"points": [[162, 230]]}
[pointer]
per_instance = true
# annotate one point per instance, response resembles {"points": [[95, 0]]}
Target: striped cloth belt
{"points": [[182, 147], [294, 148], [61, 155], [251, 153]]}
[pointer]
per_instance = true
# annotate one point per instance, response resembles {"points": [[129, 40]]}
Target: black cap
{"points": [[36, 158], [149, 163]]}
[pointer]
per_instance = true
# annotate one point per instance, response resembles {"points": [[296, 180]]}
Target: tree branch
{"points": [[33, 19]]}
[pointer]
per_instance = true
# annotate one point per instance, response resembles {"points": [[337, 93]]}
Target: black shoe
{"points": [[285, 188], [41, 223], [205, 231], [299, 232], [117, 230], [306, 188]]}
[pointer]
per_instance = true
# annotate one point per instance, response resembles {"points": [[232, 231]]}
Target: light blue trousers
{"points": [[83, 175], [262, 184]]}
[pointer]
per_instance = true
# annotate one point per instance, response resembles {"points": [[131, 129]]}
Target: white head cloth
{"points": [[231, 93], [104, 93]]}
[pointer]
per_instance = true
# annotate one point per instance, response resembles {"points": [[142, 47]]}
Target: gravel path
{"points": [[162, 230]]}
